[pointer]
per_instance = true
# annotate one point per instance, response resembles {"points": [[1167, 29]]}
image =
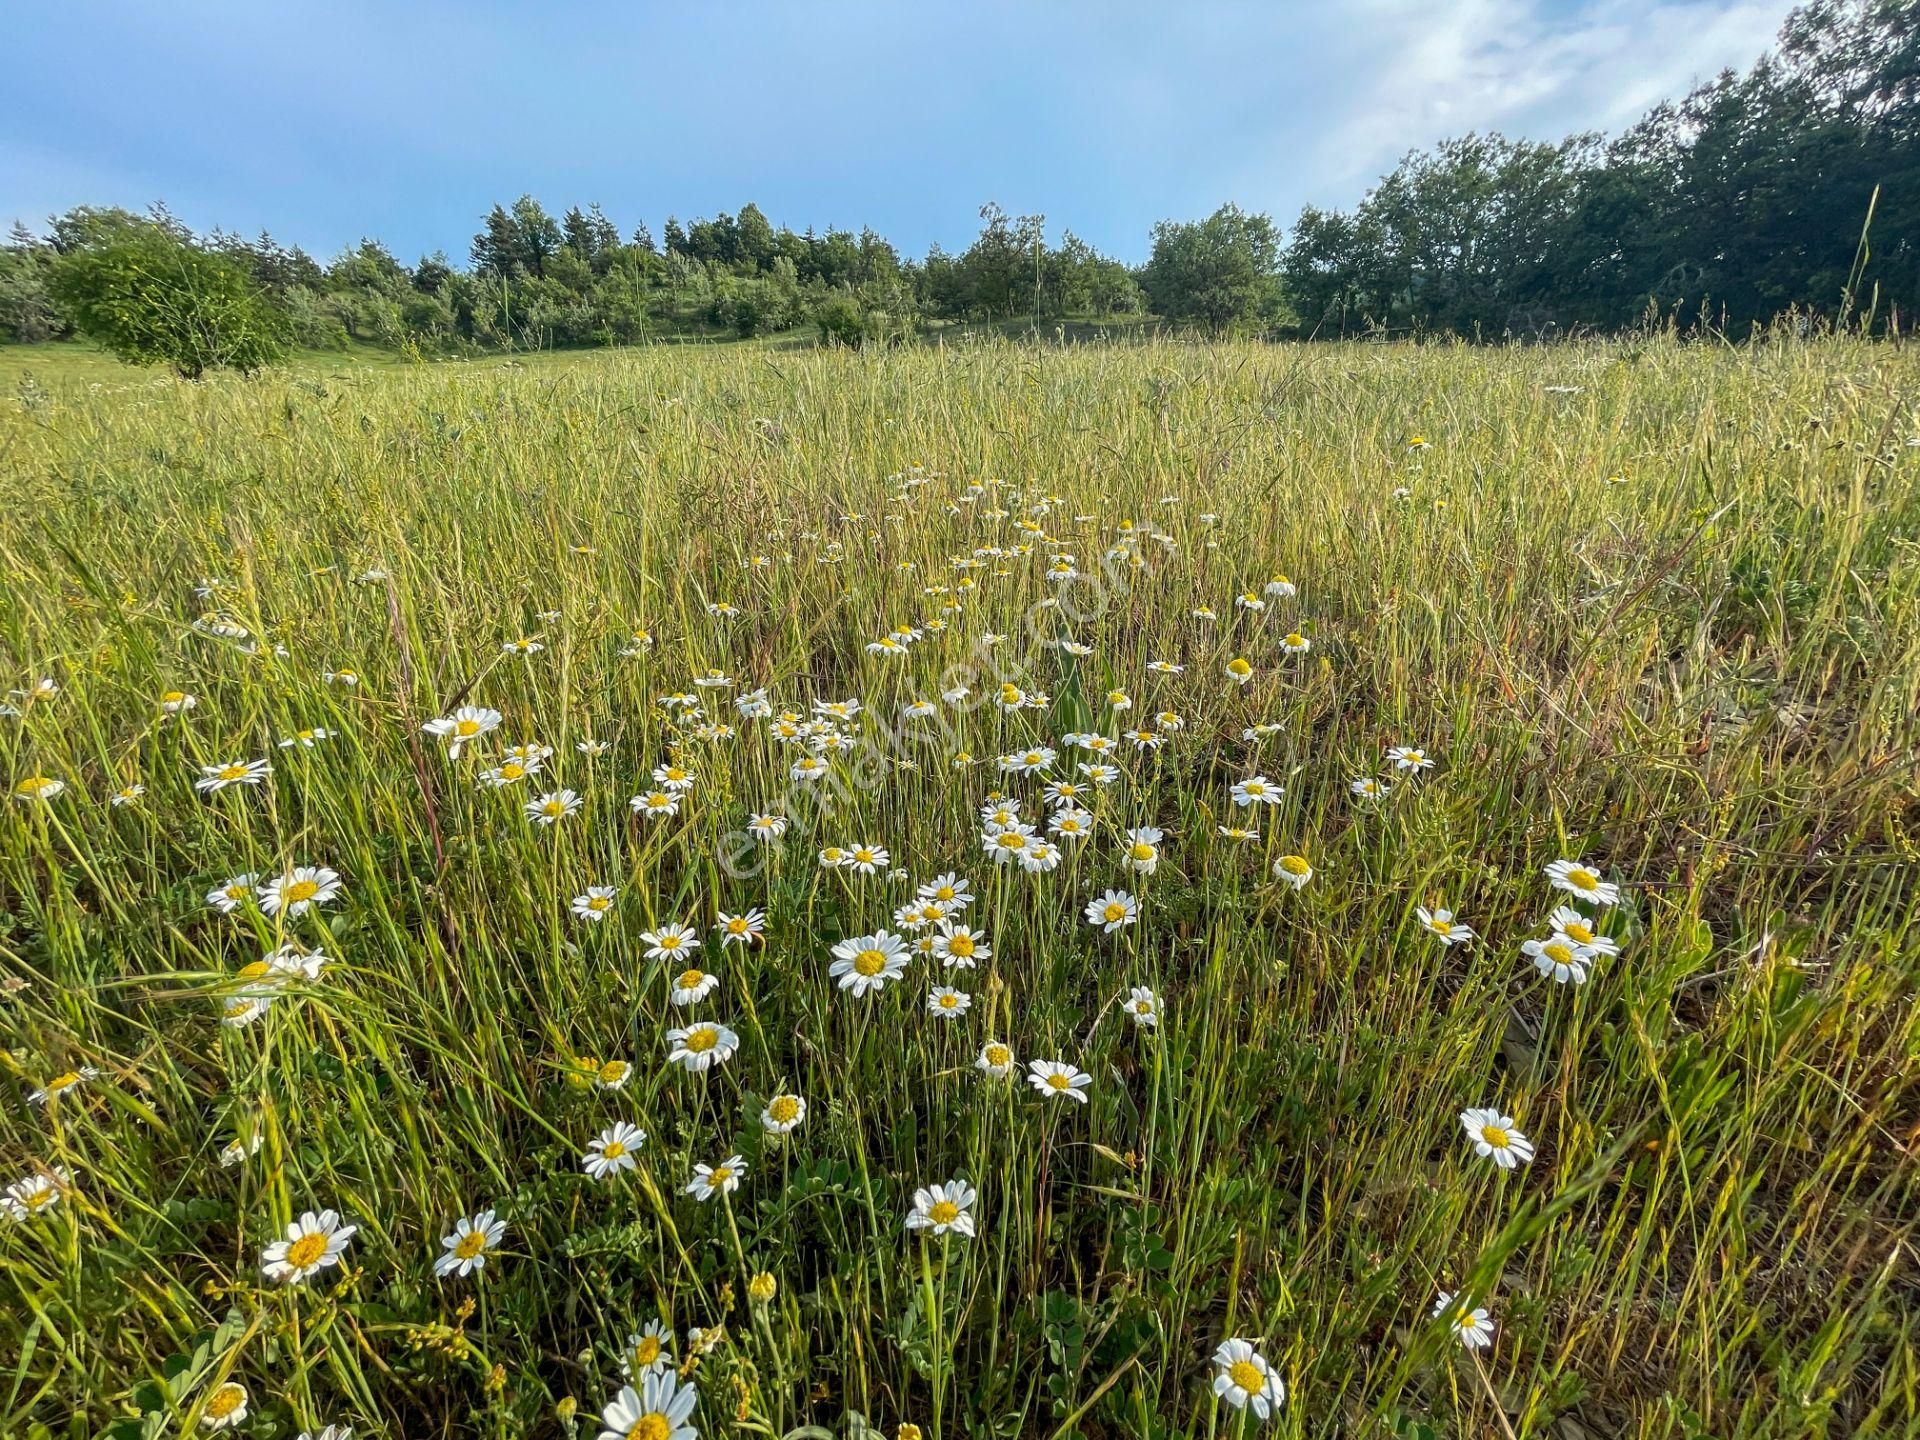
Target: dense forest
{"points": [[1791, 189]]}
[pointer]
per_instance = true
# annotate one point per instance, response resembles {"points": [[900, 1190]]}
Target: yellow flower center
{"points": [[466, 728], [646, 1350], [869, 962], [943, 1212], [301, 890], [232, 772], [1294, 865], [41, 1198], [784, 1109], [1012, 840], [998, 1055], [1295, 638], [306, 1250], [613, 1072], [690, 979], [863, 857], [63, 1082], [737, 926], [1114, 911], [701, 1039], [1577, 930], [1582, 877], [1558, 953], [651, 1426], [471, 1244], [613, 1149], [226, 1400], [598, 902], [670, 942], [512, 770], [552, 807], [1247, 1376], [173, 697], [721, 1174], [1439, 926], [948, 1002], [1494, 1136], [1058, 1081], [961, 945]]}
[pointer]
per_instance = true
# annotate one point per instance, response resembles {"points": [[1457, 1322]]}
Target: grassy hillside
{"points": [[1651, 610]]}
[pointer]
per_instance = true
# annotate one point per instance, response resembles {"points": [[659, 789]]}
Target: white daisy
{"points": [[943, 1209], [313, 1242], [613, 1150], [1494, 1137], [1058, 1079], [1243, 1378], [464, 1249]]}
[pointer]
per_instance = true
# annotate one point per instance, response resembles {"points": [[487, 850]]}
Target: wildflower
{"points": [[1257, 790], [1470, 1324], [1236, 832], [552, 807], [698, 1048], [1368, 788], [808, 768], [510, 771], [868, 962], [1576, 927], [62, 1083], [656, 804], [1058, 1079], [1493, 1136], [943, 1208], [1007, 843], [33, 1195], [465, 1247], [225, 1407], [744, 929], [1293, 870], [1142, 850], [691, 986], [300, 889], [1243, 1378], [765, 829], [711, 1180], [175, 702], [463, 727], [234, 772], [1280, 587], [313, 1243], [1296, 643], [596, 903], [1577, 879], [1558, 959], [1443, 926], [1410, 759], [1112, 910], [127, 794], [1143, 1007], [947, 1002], [306, 739], [1071, 823], [346, 679], [673, 777], [867, 858], [649, 1351], [522, 646], [237, 1150], [612, 1150], [661, 1407], [612, 1075], [1239, 670], [1098, 775], [960, 947], [783, 1114], [995, 1059], [762, 1288]]}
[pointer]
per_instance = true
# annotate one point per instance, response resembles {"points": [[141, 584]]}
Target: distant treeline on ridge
{"points": [[1794, 188]]}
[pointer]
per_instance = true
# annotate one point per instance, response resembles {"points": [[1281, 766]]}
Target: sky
{"points": [[406, 120]]}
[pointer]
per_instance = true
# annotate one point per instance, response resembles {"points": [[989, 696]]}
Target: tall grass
{"points": [[1666, 620]]}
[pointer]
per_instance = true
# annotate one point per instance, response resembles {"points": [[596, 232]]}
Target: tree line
{"points": [[1794, 187]]}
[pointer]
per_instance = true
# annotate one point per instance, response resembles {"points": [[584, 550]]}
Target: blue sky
{"points": [[328, 121]]}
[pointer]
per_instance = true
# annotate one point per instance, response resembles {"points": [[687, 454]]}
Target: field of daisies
{"points": [[992, 892]]}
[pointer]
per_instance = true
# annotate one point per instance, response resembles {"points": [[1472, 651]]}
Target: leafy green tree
{"points": [[152, 298], [1221, 272]]}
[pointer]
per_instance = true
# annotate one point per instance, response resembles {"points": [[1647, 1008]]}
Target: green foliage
{"points": [[1220, 272], [153, 298]]}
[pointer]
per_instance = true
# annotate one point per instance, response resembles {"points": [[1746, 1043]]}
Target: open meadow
{"points": [[978, 891]]}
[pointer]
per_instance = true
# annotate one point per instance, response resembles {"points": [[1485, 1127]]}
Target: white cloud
{"points": [[1430, 71]]}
